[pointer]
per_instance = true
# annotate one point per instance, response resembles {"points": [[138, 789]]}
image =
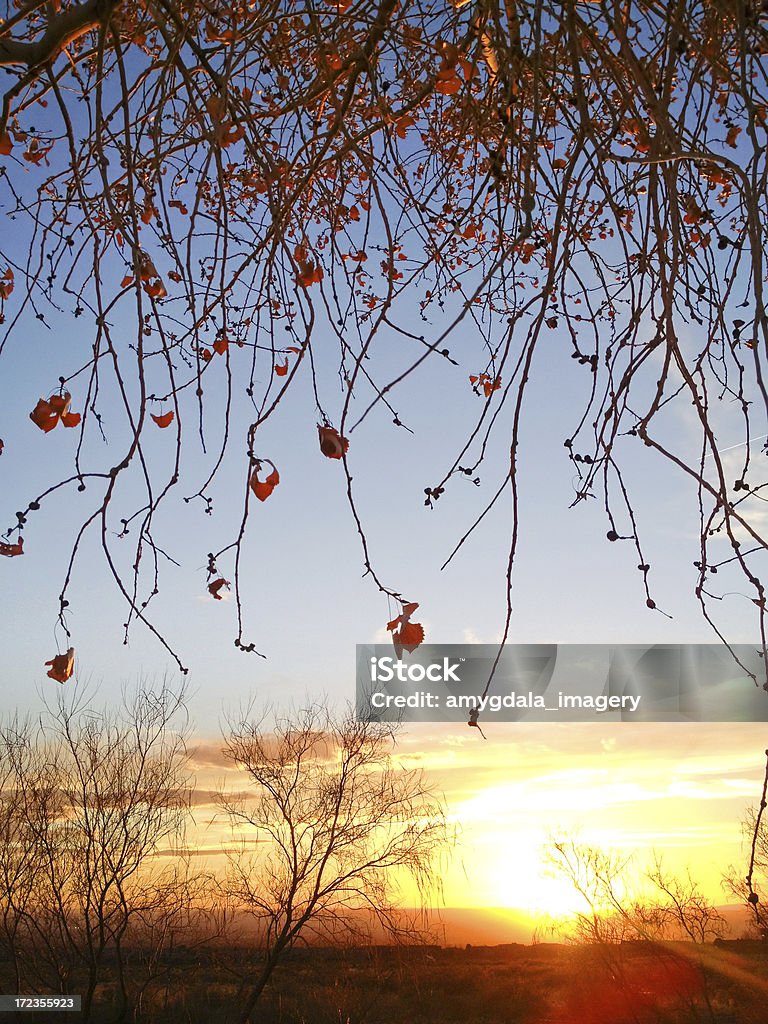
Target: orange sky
{"points": [[675, 789]]}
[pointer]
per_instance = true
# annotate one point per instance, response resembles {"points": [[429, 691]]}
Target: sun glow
{"points": [[519, 878]]}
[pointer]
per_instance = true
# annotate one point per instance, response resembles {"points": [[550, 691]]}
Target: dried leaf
{"points": [[62, 666], [43, 416], [332, 444], [309, 273], [6, 283], [12, 550], [263, 488], [164, 419], [155, 289], [732, 136], [410, 634], [215, 587], [47, 413]]}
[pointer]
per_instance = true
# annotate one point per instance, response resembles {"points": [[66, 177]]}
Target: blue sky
{"points": [[306, 602]]}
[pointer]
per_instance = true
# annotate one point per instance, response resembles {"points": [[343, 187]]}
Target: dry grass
{"points": [[544, 984]]}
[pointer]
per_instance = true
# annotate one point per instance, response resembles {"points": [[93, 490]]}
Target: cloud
{"points": [[209, 851], [209, 754]]}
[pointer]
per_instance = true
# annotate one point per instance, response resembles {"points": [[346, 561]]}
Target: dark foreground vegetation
{"points": [[632, 983]]}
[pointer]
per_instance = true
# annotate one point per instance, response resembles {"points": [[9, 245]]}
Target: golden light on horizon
{"points": [[522, 880]]}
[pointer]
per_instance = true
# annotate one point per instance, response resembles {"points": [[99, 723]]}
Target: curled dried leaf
{"points": [[48, 412], [263, 488], [62, 666], [216, 586], [12, 550], [332, 444]]}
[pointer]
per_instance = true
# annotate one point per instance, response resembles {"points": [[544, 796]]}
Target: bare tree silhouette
{"points": [[623, 901], [212, 194], [88, 798], [750, 888], [342, 825]]}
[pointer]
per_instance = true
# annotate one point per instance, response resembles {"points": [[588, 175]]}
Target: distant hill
{"points": [[457, 926]]}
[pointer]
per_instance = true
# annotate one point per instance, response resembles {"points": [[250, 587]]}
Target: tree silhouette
{"points": [[342, 827], [215, 192], [749, 889], [88, 799]]}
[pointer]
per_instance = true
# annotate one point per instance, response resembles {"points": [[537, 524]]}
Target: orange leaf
{"points": [[128, 279], [47, 414], [11, 550], [155, 289], [309, 273], [165, 419], [43, 416], [448, 82], [332, 444], [62, 665], [263, 488], [6, 283], [5, 144], [59, 403], [410, 635], [70, 419], [215, 587], [260, 489], [733, 134], [220, 345], [401, 126], [206, 354], [281, 368]]}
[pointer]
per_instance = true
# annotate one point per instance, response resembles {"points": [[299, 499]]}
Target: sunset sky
{"points": [[646, 789]]}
